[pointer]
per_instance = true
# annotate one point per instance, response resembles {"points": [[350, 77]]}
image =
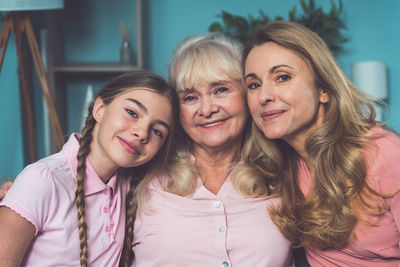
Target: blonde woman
{"points": [[69, 209], [339, 170], [211, 208]]}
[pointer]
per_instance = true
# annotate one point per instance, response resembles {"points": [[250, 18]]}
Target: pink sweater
{"points": [[377, 245]]}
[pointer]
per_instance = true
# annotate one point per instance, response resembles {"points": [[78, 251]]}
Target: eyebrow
{"points": [[252, 75], [163, 123], [212, 84], [142, 107], [217, 83], [279, 66], [139, 104], [185, 90]]}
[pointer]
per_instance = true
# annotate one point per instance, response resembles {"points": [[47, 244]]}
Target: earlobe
{"points": [[98, 109], [323, 96]]}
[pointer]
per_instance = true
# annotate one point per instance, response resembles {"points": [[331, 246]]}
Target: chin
{"points": [[126, 162], [272, 135]]}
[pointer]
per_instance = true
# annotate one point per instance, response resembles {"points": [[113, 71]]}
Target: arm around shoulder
{"points": [[4, 188], [16, 235]]}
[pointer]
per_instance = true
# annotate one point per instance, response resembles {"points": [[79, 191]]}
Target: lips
{"points": [[212, 124], [129, 146], [272, 114]]}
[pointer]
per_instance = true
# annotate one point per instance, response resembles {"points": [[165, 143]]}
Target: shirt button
{"points": [[107, 229], [217, 204], [225, 264], [222, 229], [105, 209], [105, 191]]}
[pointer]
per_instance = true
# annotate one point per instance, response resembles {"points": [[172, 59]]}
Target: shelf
{"points": [[101, 67], [65, 74]]}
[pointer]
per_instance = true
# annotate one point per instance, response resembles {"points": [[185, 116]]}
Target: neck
{"points": [[103, 171], [214, 165], [101, 162], [298, 141], [298, 145]]}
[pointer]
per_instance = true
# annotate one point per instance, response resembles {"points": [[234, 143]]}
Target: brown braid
{"points": [[84, 149], [131, 208]]}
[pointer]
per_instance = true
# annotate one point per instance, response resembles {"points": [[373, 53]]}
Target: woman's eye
{"points": [[283, 78], [220, 90], [157, 132], [189, 98], [132, 113], [253, 86]]}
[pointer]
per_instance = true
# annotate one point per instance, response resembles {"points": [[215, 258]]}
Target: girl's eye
{"points": [[132, 113], [157, 132], [252, 86], [283, 78]]}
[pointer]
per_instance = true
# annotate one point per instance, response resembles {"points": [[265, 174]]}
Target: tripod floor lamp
{"points": [[17, 21]]}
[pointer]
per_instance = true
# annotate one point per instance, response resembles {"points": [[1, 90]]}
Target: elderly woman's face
{"points": [[214, 114]]}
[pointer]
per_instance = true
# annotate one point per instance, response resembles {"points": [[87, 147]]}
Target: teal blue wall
{"points": [[375, 35], [11, 160], [373, 26]]}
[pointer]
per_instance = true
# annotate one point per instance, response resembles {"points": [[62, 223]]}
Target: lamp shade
{"points": [[20, 5], [371, 77]]}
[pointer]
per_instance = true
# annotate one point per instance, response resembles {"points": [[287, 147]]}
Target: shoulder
{"points": [[384, 147], [385, 138], [54, 169], [37, 188], [382, 159]]}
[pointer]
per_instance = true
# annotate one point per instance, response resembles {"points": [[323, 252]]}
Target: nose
{"points": [[207, 106], [266, 94], [141, 132]]}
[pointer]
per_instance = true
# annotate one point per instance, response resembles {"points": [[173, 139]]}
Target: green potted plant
{"points": [[328, 25]]}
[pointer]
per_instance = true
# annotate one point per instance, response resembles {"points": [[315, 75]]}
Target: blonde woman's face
{"points": [[131, 129], [282, 96], [214, 114]]}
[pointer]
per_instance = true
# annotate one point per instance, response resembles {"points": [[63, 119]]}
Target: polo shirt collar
{"points": [[93, 183]]}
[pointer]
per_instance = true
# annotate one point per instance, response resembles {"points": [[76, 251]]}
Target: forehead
{"points": [[150, 101], [205, 69], [139, 92], [273, 54]]}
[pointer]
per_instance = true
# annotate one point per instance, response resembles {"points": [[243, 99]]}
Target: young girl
{"points": [[76, 198]]}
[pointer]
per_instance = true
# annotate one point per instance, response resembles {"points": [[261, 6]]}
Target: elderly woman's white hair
{"points": [[200, 58]]}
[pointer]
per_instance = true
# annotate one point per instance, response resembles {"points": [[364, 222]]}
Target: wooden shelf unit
{"points": [[61, 71]]}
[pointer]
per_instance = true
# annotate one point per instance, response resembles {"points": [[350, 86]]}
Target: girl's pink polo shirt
{"points": [[223, 230], [377, 246], [44, 194]]}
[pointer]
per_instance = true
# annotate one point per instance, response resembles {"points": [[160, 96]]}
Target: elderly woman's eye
{"points": [[220, 90], [189, 98]]}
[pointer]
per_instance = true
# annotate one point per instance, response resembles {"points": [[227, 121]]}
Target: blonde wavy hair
{"points": [[199, 59], [117, 86], [341, 194]]}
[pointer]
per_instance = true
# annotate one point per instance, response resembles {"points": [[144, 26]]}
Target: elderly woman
{"points": [[340, 169], [211, 209]]}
